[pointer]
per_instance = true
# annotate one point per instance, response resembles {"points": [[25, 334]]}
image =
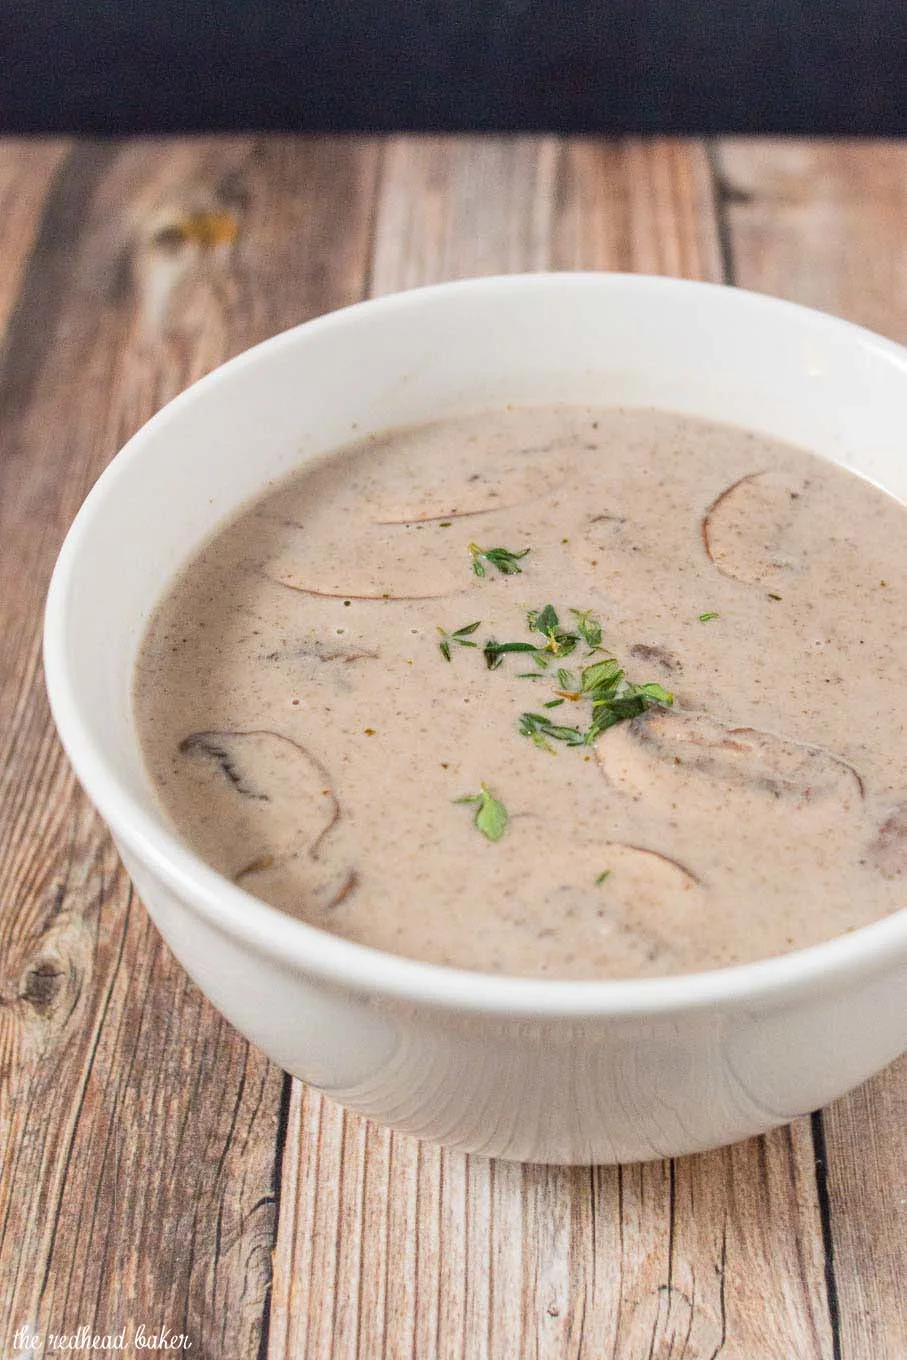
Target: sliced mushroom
{"points": [[382, 533], [645, 903], [346, 656], [390, 564], [888, 852], [661, 748], [314, 654], [223, 752], [610, 908], [472, 485], [435, 513], [317, 663], [267, 801], [750, 530]]}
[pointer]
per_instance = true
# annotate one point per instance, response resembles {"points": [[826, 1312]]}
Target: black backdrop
{"points": [[101, 66]]}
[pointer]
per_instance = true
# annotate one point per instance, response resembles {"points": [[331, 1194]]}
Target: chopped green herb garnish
{"points": [[494, 652], [540, 728], [773, 596], [657, 693], [621, 701], [562, 644], [603, 684], [542, 620], [506, 562], [707, 618], [546, 622], [603, 674], [606, 873], [588, 627], [491, 815], [614, 699], [458, 638]]}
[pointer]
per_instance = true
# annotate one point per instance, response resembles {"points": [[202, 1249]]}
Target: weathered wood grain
{"points": [[452, 207], [26, 171], [820, 223], [643, 206], [824, 224], [389, 1248], [138, 1132], [866, 1138]]}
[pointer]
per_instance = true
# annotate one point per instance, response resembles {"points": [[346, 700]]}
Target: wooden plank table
{"points": [[157, 1172]]}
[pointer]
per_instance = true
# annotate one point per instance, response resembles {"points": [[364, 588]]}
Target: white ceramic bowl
{"points": [[533, 1070]]}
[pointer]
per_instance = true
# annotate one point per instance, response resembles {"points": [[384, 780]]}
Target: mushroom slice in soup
{"points": [[466, 487], [386, 564], [607, 900], [888, 851], [268, 801], [315, 652], [661, 749], [642, 900], [752, 532]]}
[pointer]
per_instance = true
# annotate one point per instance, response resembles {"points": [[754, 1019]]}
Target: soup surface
{"points": [[691, 751]]}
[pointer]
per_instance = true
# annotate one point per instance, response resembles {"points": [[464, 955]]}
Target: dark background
{"points": [[614, 66]]}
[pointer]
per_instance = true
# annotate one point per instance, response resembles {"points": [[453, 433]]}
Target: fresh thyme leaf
{"points": [[603, 674], [657, 693], [537, 726], [707, 618], [601, 721], [627, 704], [458, 638], [491, 818], [623, 701], [491, 814], [606, 873], [494, 652], [588, 627], [539, 741], [542, 620], [546, 621], [612, 697], [571, 735], [507, 562], [562, 644]]}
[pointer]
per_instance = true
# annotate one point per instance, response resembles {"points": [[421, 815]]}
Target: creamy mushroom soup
{"points": [[562, 692]]}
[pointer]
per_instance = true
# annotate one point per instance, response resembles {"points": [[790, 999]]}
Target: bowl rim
{"points": [[269, 932]]}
